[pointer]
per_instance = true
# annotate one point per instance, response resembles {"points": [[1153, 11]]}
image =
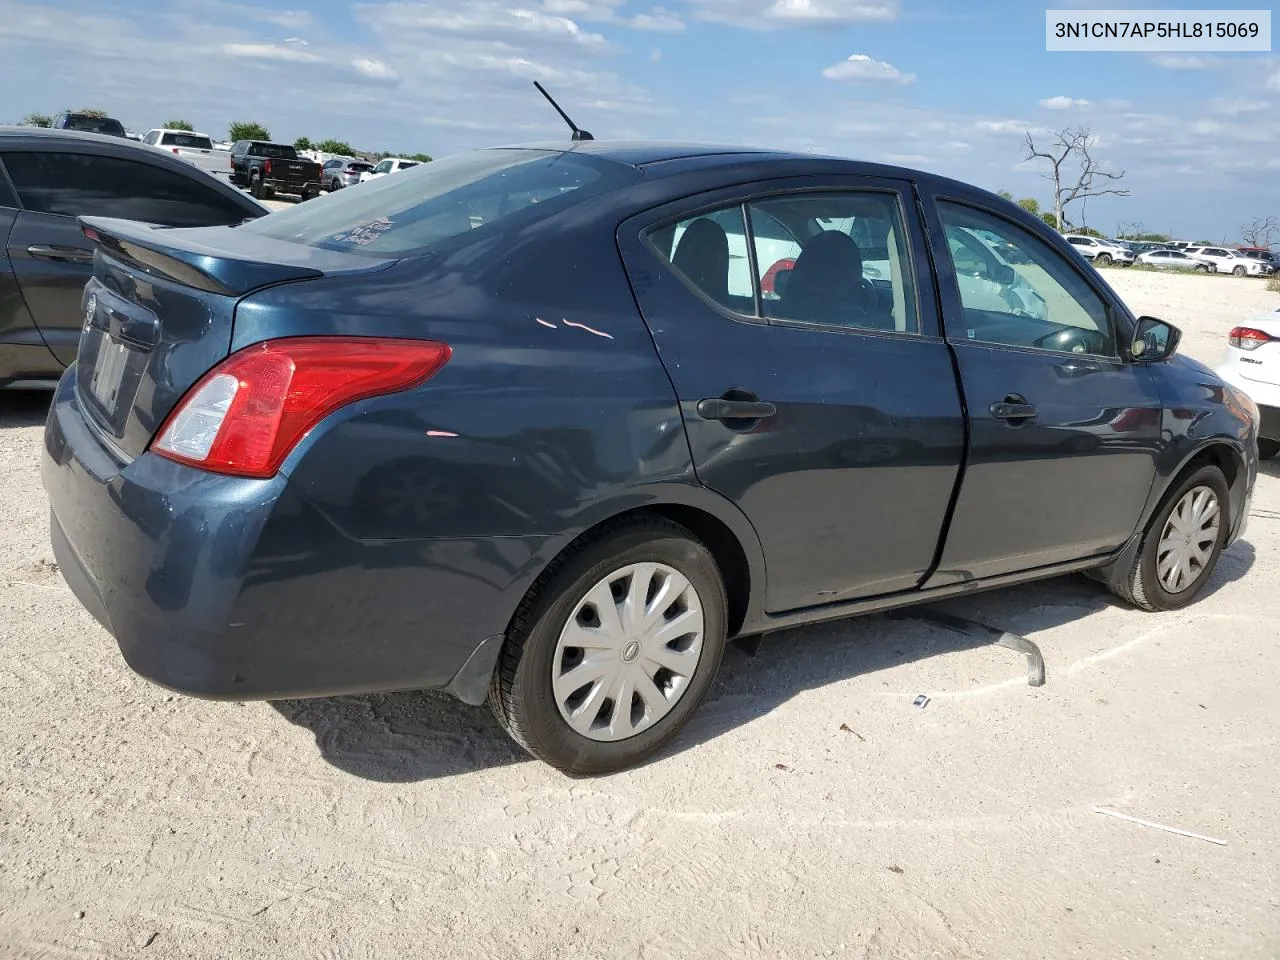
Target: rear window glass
{"points": [[281, 151], [94, 125], [439, 201], [406, 164], [192, 141], [359, 167]]}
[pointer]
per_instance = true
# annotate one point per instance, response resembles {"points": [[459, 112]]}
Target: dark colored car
{"points": [[47, 179], [520, 425], [271, 168], [339, 173], [88, 123]]}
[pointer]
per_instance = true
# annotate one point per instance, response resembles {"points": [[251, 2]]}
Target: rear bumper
{"points": [[229, 588], [291, 186], [1265, 395]]}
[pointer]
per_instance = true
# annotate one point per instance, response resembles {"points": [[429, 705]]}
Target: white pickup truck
{"points": [[195, 148]]}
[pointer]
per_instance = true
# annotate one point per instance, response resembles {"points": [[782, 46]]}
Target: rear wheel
{"points": [[310, 193], [1181, 545], [1268, 448], [1104, 259], [612, 651], [255, 185]]}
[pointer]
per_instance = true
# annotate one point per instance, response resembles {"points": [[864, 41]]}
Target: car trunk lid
{"points": [[160, 310], [1262, 364]]}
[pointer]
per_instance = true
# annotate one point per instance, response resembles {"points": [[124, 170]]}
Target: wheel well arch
{"points": [[742, 572]]}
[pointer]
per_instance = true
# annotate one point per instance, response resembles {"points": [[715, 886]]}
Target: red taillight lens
{"points": [[266, 168], [175, 149], [1248, 338], [246, 414]]}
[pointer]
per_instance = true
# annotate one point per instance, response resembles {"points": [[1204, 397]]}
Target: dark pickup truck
{"points": [[271, 168]]}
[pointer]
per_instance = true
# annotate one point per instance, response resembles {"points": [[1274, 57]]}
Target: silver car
{"points": [[1173, 260]]}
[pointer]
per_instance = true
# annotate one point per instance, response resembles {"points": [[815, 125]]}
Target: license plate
{"points": [[108, 372]]}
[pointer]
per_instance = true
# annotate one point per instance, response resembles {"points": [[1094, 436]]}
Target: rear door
{"points": [[22, 350], [1064, 433], [826, 406], [51, 258]]}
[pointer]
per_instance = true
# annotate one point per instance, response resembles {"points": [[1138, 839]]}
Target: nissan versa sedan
{"points": [[511, 425]]}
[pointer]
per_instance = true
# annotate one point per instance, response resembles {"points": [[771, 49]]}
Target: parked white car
{"points": [[1252, 364], [1224, 260], [1173, 260], [195, 148], [1100, 252], [387, 165]]}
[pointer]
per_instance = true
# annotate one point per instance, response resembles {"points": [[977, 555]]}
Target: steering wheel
{"points": [[1071, 340]]}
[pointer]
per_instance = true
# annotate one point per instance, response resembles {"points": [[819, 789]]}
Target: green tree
{"points": [[1050, 219], [37, 120], [178, 125], [92, 112], [247, 130], [1005, 195], [302, 143], [1031, 205], [420, 157], [335, 146]]}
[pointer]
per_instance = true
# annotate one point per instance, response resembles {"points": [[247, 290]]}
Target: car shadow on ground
{"points": [[24, 408], [408, 737]]}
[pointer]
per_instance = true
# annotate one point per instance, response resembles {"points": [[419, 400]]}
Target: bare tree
{"points": [[1259, 231], [1074, 172]]}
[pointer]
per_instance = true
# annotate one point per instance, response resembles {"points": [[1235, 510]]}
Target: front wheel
{"points": [[1239, 271], [1267, 449], [1104, 260], [1181, 545], [1200, 268], [613, 650]]}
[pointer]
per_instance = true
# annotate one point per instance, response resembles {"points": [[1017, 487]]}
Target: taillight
{"points": [[266, 168], [1248, 338], [175, 150], [245, 415]]}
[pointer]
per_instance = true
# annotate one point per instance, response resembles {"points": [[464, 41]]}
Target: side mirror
{"points": [[1154, 340], [1002, 274]]}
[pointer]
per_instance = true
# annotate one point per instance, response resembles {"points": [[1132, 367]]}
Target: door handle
{"points": [[721, 409], [44, 251], [1013, 408]]}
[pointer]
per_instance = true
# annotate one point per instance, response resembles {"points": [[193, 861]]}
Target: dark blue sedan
{"points": [[530, 425]]}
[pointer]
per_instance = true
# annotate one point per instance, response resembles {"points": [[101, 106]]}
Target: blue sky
{"points": [[942, 86]]}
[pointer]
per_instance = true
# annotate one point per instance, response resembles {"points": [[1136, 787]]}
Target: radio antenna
{"points": [[578, 132]]}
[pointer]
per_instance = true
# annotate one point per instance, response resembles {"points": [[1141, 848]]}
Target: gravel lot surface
{"points": [[810, 810]]}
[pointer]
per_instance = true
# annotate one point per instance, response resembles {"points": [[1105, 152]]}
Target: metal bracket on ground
{"points": [[980, 631]]}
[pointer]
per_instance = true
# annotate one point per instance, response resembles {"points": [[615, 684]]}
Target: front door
{"points": [[797, 321], [1064, 433]]}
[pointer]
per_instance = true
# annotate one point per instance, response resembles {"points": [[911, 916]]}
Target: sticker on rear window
{"points": [[365, 233]]}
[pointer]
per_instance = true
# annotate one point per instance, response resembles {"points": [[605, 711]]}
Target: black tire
{"points": [[1240, 271], [521, 694], [255, 185], [1200, 268], [310, 193], [1267, 448], [1141, 586], [1104, 260]]}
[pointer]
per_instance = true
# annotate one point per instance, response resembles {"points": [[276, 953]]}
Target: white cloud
{"points": [[1064, 103], [483, 20], [860, 67], [659, 19], [1174, 61], [655, 55], [270, 51], [1003, 126], [582, 9], [1273, 81], [906, 159], [374, 68], [773, 14]]}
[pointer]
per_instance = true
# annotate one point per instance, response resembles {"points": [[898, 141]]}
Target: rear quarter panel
{"points": [[552, 415]]}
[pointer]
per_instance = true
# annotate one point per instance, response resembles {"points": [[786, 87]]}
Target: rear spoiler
{"points": [[181, 256]]}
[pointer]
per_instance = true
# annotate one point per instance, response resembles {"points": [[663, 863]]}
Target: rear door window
{"points": [[191, 141], [443, 200], [82, 185]]}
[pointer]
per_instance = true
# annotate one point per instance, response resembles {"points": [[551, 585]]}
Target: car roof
{"points": [[39, 133]]}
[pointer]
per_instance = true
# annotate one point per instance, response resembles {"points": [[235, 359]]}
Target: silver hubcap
{"points": [[1188, 540], [628, 652]]}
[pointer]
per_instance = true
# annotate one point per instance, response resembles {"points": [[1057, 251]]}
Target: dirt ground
{"points": [[810, 810]]}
